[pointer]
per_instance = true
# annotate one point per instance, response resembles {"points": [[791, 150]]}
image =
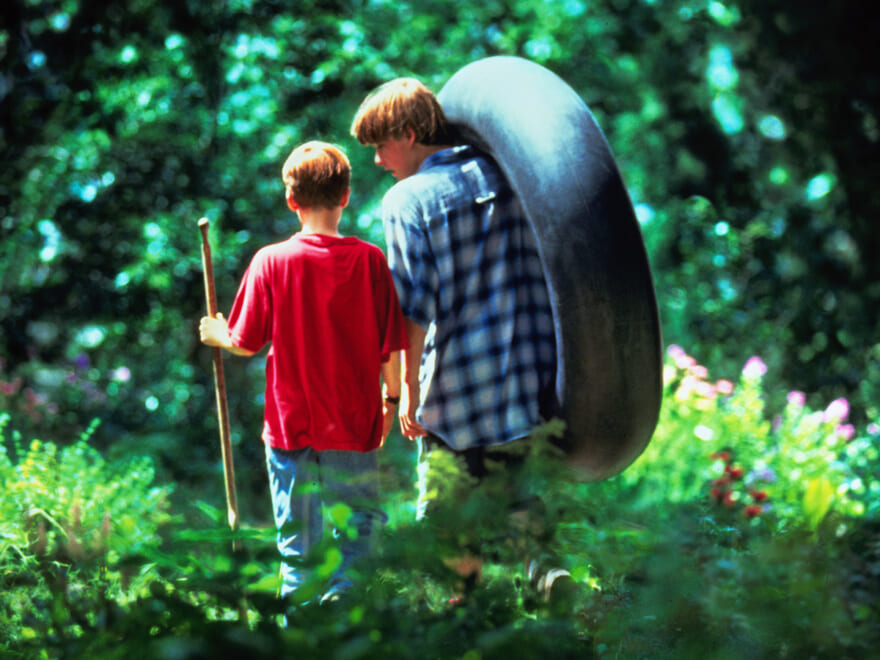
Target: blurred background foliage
{"points": [[746, 131]]}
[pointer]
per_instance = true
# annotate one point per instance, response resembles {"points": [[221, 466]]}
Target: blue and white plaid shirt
{"points": [[466, 267]]}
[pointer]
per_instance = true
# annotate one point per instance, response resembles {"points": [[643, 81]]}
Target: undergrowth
{"points": [[740, 532]]}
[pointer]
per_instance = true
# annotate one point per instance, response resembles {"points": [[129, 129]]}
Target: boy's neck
{"points": [[425, 151], [322, 222], [309, 231]]}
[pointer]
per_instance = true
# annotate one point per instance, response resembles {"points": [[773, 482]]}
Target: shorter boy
{"points": [[328, 306]]}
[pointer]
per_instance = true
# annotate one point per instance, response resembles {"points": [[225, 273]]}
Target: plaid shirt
{"points": [[466, 267]]}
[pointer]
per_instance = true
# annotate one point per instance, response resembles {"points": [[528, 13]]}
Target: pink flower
{"points": [[705, 390], [797, 399], [845, 431], [874, 429], [682, 360], [754, 368], [685, 362], [724, 387], [675, 351], [837, 411], [686, 387]]}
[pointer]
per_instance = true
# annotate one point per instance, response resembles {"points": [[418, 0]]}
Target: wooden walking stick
{"points": [[219, 383]]}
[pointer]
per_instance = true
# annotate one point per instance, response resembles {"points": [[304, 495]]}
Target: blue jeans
{"points": [[301, 482]]}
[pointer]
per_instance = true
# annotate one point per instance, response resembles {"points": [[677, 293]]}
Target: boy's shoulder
{"points": [[273, 249], [299, 245], [446, 177], [371, 249]]}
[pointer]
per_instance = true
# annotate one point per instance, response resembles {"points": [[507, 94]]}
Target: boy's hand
{"points": [[214, 332], [409, 403]]}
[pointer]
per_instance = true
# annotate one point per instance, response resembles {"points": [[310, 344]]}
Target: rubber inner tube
{"points": [[608, 336]]}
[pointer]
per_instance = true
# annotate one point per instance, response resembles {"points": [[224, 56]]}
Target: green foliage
{"points": [[69, 520], [664, 562], [735, 532], [803, 463], [748, 527], [692, 592], [754, 190], [73, 504]]}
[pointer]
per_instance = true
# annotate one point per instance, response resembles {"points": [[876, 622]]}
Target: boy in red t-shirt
{"points": [[328, 306]]}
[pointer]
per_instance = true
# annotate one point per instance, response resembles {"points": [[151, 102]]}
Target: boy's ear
{"points": [[346, 196], [291, 204], [410, 136]]}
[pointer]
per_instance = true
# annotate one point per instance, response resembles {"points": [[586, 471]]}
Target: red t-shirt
{"points": [[328, 306]]}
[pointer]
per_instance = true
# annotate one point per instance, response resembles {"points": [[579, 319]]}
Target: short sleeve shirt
{"points": [[467, 269], [330, 310]]}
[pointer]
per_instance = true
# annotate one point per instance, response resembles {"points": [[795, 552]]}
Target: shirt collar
{"points": [[446, 156]]}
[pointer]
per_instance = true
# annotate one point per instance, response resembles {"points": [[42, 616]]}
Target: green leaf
{"points": [[339, 514], [818, 500], [268, 584], [332, 562]]}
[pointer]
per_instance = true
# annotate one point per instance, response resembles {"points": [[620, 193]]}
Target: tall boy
{"points": [[328, 306], [481, 359], [480, 366]]}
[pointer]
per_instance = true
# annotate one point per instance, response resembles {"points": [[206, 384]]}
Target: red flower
{"points": [[758, 495], [753, 510], [735, 473], [725, 456]]}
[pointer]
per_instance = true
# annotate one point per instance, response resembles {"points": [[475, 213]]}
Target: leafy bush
{"points": [[733, 534], [741, 531], [68, 519], [719, 439]]}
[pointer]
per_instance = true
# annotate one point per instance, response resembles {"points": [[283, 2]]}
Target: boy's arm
{"points": [[215, 332], [391, 390], [409, 393]]}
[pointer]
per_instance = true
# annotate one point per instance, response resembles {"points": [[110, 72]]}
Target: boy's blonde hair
{"points": [[396, 106], [316, 174]]}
